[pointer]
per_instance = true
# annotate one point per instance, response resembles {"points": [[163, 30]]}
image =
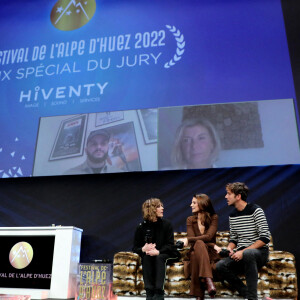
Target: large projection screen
{"points": [[79, 58]]}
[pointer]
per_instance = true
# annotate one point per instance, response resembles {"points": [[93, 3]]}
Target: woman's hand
{"points": [[153, 252], [217, 248], [185, 241], [148, 247]]}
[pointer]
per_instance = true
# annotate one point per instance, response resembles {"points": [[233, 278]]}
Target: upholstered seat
{"points": [[278, 279]]}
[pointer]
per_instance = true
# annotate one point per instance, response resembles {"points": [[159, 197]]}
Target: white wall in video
{"points": [[104, 142], [228, 135]]}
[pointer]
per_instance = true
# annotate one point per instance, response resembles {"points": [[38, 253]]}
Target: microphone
{"points": [[179, 244], [224, 253], [148, 236]]}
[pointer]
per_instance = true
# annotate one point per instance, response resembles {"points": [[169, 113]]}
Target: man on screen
{"points": [[97, 160], [248, 245]]}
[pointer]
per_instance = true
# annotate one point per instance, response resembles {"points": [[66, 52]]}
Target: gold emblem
{"points": [[20, 255], [72, 14]]}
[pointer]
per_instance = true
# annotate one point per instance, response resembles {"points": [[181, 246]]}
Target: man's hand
{"points": [[230, 248], [231, 252], [237, 256]]}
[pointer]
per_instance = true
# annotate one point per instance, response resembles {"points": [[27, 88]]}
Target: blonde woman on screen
{"points": [[197, 145]]}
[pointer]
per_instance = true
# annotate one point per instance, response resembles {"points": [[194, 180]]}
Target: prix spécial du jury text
{"points": [[92, 65], [94, 45]]}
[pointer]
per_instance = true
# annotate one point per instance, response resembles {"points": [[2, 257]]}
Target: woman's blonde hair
{"points": [[149, 209], [177, 157]]}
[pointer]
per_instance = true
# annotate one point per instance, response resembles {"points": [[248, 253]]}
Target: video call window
{"points": [[103, 142], [228, 135], [184, 137]]}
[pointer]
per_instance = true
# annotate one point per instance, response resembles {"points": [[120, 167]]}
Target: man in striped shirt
{"points": [[248, 244]]}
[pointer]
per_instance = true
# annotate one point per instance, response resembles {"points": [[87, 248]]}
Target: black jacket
{"points": [[161, 233]]}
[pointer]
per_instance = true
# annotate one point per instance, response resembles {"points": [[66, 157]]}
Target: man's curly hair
{"points": [[238, 188]]}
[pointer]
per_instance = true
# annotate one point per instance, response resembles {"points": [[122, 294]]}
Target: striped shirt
{"points": [[248, 226]]}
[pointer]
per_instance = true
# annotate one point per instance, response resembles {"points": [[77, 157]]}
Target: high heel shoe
{"points": [[211, 289]]}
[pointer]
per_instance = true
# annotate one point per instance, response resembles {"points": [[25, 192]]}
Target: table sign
{"points": [[94, 281]]}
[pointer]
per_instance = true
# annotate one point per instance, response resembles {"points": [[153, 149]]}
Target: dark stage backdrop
{"points": [[108, 206]]}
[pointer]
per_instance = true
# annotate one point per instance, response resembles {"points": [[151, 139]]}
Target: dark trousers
{"points": [[253, 260], [154, 272]]}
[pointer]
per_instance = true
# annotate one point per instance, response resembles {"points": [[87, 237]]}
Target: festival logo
{"points": [[69, 15], [20, 255]]}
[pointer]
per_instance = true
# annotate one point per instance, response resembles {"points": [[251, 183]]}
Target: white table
{"points": [[66, 257]]}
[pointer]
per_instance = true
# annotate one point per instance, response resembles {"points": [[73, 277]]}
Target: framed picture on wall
{"points": [[69, 140], [108, 117], [148, 121], [123, 149]]}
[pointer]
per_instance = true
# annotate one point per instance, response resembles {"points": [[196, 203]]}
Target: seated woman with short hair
{"points": [[154, 242]]}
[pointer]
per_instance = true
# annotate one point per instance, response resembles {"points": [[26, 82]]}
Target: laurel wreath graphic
{"points": [[180, 46]]}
